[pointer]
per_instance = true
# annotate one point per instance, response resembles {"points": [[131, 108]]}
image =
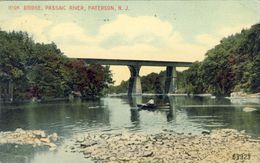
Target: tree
{"points": [[233, 65], [41, 70]]}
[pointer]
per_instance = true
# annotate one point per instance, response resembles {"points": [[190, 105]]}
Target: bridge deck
{"points": [[135, 62]]}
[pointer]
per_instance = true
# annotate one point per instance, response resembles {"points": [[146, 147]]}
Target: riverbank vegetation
{"points": [[232, 65], [41, 70]]}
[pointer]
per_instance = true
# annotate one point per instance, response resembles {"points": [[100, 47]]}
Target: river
{"points": [[69, 119]]}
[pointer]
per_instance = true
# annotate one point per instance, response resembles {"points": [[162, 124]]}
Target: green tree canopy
{"points": [[41, 70]]}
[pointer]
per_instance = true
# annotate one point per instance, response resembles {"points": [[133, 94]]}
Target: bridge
{"points": [[134, 66]]}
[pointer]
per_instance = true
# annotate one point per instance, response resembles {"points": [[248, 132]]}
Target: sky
{"points": [[150, 30]]}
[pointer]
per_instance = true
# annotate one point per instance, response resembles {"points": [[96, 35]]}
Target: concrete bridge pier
{"points": [[170, 80], [134, 87]]}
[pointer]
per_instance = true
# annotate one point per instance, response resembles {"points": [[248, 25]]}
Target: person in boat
{"points": [[150, 103]]}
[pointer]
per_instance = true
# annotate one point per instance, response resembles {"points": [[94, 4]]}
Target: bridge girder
{"points": [[125, 62]]}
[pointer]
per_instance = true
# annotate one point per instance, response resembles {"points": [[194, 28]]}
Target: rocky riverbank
{"points": [[224, 145], [31, 137]]}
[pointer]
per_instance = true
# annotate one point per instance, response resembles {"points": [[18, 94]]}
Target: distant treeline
{"points": [[232, 65], [151, 83], [41, 70]]}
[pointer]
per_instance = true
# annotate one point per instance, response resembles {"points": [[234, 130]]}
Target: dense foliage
{"points": [[232, 65], [41, 70]]}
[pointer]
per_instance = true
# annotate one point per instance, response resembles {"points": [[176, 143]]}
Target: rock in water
{"points": [[243, 131], [39, 133], [54, 137], [205, 132], [248, 109], [52, 146], [81, 139], [45, 140], [30, 137], [147, 154], [88, 144]]}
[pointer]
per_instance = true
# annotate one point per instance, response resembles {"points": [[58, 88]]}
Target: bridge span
{"points": [[134, 66]]}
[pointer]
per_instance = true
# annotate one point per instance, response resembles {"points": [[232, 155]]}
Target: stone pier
{"points": [[170, 80], [134, 87]]}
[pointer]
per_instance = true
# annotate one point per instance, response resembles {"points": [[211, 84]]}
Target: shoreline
{"points": [[35, 138], [247, 98], [219, 145], [222, 145]]}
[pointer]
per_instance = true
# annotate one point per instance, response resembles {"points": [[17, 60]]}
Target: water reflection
{"points": [[134, 100], [118, 113], [163, 103], [194, 114], [181, 114], [64, 117], [172, 111]]}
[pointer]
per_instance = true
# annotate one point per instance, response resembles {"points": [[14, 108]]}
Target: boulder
{"points": [[45, 140], [53, 137]]}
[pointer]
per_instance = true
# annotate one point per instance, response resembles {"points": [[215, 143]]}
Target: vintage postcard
{"points": [[115, 81]]}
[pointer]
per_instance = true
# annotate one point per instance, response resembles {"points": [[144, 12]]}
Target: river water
{"points": [[119, 114]]}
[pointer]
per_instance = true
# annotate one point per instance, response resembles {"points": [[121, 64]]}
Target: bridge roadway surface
{"points": [[127, 62]]}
